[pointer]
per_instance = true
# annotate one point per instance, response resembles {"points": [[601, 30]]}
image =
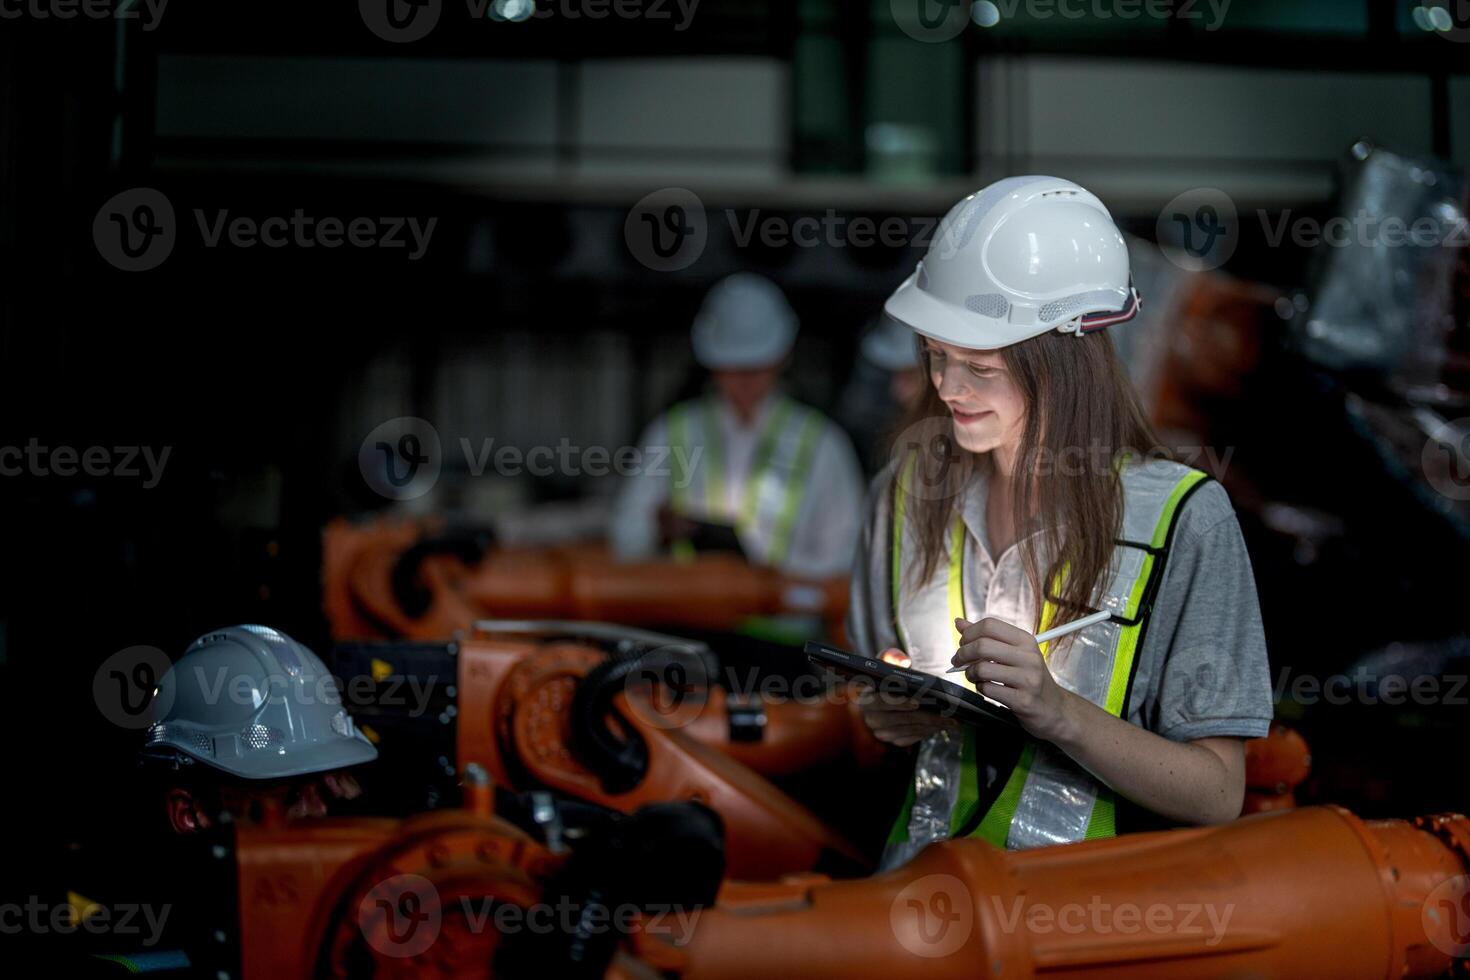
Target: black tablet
{"points": [[714, 536], [934, 693]]}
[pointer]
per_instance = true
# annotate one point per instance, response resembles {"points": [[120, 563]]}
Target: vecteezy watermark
{"points": [[128, 691], [667, 230], [252, 690], [669, 687], [933, 916], [305, 231], [148, 12], [402, 917], [403, 458], [831, 230], [1097, 460], [401, 21], [1099, 917], [1446, 916], [35, 459], [124, 919], [673, 921], [936, 21], [1198, 229], [992, 13], [679, 13], [1446, 459], [124, 686], [406, 21], [1370, 687], [1365, 230], [932, 21], [569, 459], [929, 461], [136, 230]]}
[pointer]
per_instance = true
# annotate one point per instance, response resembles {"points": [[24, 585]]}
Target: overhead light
{"points": [[985, 13], [1436, 16], [514, 11]]}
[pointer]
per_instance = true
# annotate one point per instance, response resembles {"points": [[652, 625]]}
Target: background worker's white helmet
{"points": [[890, 346], [1019, 258], [745, 322]]}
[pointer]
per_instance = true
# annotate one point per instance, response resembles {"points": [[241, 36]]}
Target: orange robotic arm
{"points": [[1274, 767], [515, 704], [1307, 893], [523, 716], [375, 573]]}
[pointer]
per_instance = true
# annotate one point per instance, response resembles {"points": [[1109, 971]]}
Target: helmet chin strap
{"points": [[1093, 322]]}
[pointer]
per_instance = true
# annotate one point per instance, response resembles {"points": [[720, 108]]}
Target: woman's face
{"points": [[989, 412]]}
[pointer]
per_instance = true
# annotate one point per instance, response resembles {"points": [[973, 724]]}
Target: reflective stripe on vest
{"points": [[779, 456], [1048, 799]]}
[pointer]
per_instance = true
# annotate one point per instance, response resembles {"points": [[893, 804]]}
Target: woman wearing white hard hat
{"points": [[747, 456], [1027, 495]]}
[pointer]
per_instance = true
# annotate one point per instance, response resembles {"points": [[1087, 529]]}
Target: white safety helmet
{"points": [[890, 346], [1019, 258], [252, 702], [745, 322]]}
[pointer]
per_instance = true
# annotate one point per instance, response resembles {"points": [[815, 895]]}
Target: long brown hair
{"points": [[1082, 413]]}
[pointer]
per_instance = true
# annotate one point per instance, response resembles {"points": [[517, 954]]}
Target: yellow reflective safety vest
{"points": [[774, 488], [1046, 798]]}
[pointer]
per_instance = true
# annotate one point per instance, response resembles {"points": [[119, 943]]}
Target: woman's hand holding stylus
{"points": [[1005, 664], [1199, 781]]}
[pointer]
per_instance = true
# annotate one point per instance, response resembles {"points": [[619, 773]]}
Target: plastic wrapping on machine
{"points": [[1381, 301], [1424, 450]]}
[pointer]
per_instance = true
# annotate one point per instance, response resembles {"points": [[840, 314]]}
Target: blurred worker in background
{"points": [[747, 467], [250, 724], [886, 380], [1032, 505]]}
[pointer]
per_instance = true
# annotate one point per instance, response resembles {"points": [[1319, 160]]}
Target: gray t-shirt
{"points": [[1202, 670]]}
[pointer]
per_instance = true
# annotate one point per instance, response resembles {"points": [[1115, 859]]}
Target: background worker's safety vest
{"points": [[774, 485], [1046, 798]]}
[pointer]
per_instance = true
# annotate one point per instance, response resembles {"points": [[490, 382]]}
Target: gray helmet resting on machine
{"points": [[253, 703]]}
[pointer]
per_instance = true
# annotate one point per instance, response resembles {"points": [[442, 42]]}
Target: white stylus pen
{"points": [[1057, 631]]}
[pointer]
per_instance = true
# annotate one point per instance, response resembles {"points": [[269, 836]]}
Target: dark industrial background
{"points": [[529, 320]]}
